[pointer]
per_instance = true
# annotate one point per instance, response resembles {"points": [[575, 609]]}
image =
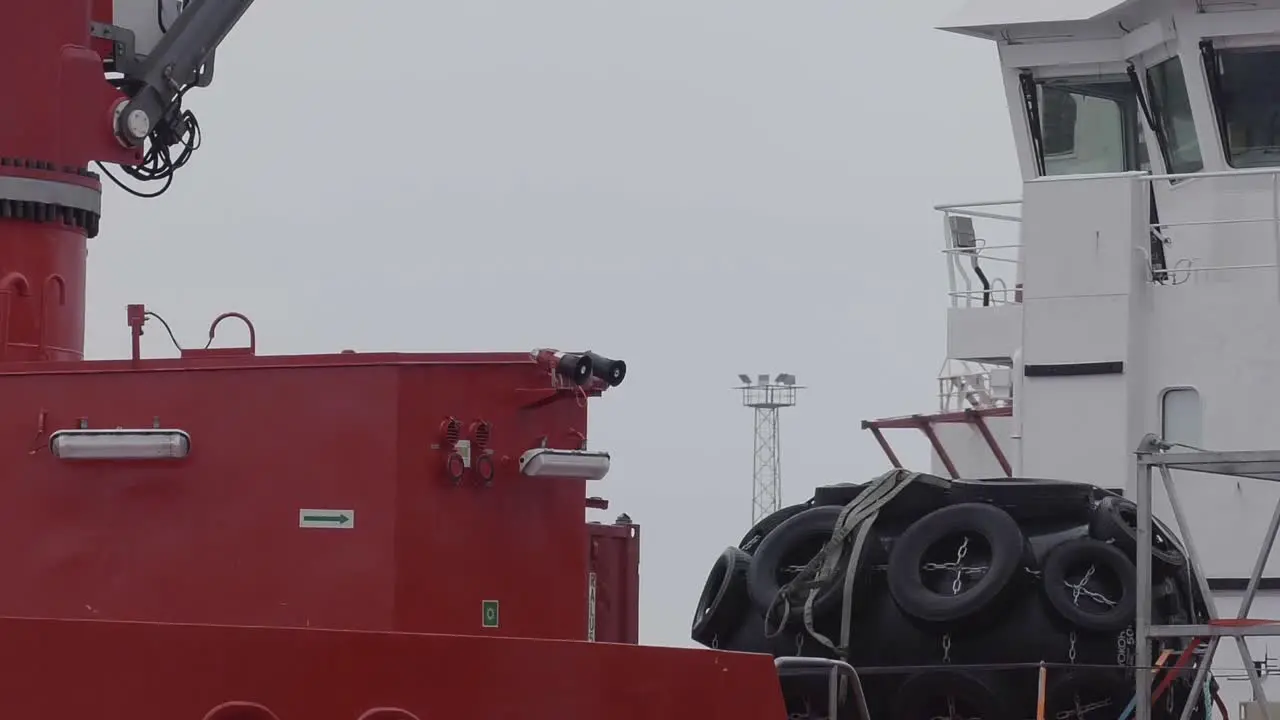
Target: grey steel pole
{"points": [[1142, 618]]}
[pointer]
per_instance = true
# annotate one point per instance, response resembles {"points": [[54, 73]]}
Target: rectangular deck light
{"points": [[120, 444], [575, 464]]}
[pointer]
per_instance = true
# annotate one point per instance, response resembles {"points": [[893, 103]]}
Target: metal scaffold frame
{"points": [[1258, 465]]}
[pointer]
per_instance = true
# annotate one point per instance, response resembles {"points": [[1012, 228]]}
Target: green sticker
{"points": [[489, 613]]}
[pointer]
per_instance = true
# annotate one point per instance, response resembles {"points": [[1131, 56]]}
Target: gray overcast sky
{"points": [[700, 188]]}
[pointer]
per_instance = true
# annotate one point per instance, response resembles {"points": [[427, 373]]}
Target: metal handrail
{"points": [[1001, 296], [958, 274], [955, 388], [838, 668], [1273, 173]]}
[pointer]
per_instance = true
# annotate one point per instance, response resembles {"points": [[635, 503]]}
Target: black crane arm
{"points": [[178, 62]]}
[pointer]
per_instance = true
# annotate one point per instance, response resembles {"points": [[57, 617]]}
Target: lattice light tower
{"points": [[766, 397]]}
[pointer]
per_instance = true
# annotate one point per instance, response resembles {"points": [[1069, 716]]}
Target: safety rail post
{"points": [[839, 669], [1142, 616], [1152, 453]]}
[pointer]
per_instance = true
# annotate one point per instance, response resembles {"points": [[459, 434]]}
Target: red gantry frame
{"points": [[925, 424]]}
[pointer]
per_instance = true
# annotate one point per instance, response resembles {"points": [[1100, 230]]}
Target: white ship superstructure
{"points": [[1134, 287]]}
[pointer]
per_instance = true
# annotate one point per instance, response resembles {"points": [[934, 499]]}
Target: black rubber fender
{"points": [[751, 541], [810, 528], [1030, 500], [1008, 555], [724, 599], [1064, 566], [1115, 521], [837, 494], [927, 695], [1087, 693]]}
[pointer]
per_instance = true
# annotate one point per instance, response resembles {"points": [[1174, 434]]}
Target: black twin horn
{"points": [[580, 368], [612, 372]]}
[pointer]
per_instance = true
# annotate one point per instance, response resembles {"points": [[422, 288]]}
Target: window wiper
{"points": [[1031, 103], [1217, 95], [1152, 121]]}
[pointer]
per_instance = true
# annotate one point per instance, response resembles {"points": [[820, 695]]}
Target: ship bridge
{"points": [[1133, 288]]}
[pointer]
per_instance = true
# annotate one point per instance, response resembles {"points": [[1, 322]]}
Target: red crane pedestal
{"points": [[42, 280], [57, 119]]}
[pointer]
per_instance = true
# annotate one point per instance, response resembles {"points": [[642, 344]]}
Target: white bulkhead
{"points": [[1134, 287]]}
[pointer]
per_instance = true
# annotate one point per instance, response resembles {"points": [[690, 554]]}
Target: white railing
{"points": [[1181, 270], [982, 259], [964, 385]]}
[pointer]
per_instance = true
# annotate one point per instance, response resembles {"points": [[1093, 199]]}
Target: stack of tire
{"points": [[961, 588]]}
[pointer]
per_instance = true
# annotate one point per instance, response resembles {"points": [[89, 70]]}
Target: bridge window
{"points": [[1089, 126], [1171, 107], [1058, 122], [1247, 99], [1180, 417]]}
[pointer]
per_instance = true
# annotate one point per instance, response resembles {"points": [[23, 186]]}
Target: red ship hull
{"points": [[143, 671]]}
